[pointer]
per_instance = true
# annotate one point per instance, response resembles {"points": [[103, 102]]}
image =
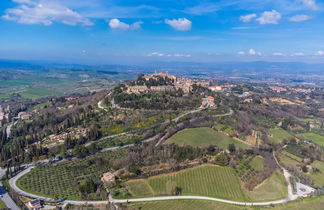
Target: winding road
{"points": [[291, 196], [5, 197]]}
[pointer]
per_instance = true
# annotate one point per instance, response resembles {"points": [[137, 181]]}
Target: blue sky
{"points": [[139, 31]]}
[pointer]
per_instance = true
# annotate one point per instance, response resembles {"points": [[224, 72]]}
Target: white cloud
{"points": [[299, 18], [251, 51], [181, 24], [44, 12], [278, 54], [269, 17], [117, 24], [297, 54], [320, 52], [247, 18], [157, 54], [181, 55], [310, 4]]}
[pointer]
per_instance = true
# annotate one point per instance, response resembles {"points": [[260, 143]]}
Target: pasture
{"points": [[277, 135], [316, 138], [204, 137], [318, 177], [273, 188], [257, 163], [183, 205]]}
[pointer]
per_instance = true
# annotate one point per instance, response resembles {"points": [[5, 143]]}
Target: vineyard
{"points": [[62, 181], [206, 180]]}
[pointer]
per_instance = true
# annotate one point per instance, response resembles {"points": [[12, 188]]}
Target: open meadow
{"points": [[204, 137]]}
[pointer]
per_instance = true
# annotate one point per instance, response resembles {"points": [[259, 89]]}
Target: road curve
{"points": [[14, 186], [5, 195]]}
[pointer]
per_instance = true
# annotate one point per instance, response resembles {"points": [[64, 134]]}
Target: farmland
{"points": [[318, 177], [61, 181], [183, 205], [203, 137], [316, 138], [287, 161], [277, 135], [257, 163], [273, 188], [206, 180], [313, 203], [36, 93]]}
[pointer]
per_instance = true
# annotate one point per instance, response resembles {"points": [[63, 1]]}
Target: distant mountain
{"points": [[229, 67]]}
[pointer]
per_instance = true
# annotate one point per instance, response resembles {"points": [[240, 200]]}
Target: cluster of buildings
{"points": [[279, 89], [184, 84], [209, 101]]}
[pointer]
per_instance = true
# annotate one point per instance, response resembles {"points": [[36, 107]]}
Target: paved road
{"points": [[5, 195], [287, 175], [14, 186]]}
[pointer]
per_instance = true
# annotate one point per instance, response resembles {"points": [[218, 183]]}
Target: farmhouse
{"points": [[108, 178], [34, 205], [24, 116]]}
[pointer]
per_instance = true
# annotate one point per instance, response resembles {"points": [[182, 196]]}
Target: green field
{"points": [[61, 181], [257, 163], [183, 205], [313, 203], [318, 177], [287, 161], [36, 93], [204, 137], [316, 138], [273, 188], [277, 135], [205, 180], [292, 156]]}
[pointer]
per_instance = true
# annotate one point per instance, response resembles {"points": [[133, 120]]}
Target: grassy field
{"points": [[257, 163], [2, 205], [183, 205], [203, 137], [316, 138], [277, 135], [292, 156], [314, 203], [273, 188], [318, 177], [287, 161], [36, 93], [205, 180], [61, 181]]}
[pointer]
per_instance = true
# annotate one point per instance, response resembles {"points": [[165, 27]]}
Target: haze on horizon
{"points": [[115, 31]]}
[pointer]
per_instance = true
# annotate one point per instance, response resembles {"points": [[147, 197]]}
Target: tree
{"points": [[231, 148]]}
